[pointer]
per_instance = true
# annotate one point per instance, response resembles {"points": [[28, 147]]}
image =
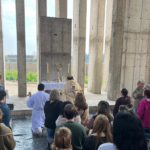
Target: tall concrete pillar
{"points": [[79, 40], [61, 8], [96, 46], [2, 58], [21, 48], [41, 10], [107, 44], [130, 46]]}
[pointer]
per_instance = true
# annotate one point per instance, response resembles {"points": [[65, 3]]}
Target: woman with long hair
{"points": [[104, 109], [62, 140], [128, 133], [101, 134], [62, 119], [123, 100], [82, 108]]}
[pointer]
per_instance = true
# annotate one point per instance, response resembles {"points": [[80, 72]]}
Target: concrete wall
{"points": [[55, 46], [130, 46]]}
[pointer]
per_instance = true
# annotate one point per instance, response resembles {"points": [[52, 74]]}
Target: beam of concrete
{"points": [[61, 8], [79, 40], [21, 48], [96, 46], [130, 46], [2, 58], [107, 44], [41, 10]]}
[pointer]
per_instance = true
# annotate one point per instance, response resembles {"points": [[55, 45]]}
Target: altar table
{"points": [[51, 85]]}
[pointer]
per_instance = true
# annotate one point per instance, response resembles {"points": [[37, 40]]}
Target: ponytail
{"points": [[124, 92]]}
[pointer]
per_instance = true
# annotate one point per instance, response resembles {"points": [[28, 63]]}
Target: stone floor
{"points": [[92, 100]]}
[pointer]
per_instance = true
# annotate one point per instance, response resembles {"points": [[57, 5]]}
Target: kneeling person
{"points": [[37, 102], [77, 130]]}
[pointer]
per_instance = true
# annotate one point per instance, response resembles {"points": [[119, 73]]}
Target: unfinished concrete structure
{"points": [[107, 44], [54, 46], [79, 40], [21, 48], [61, 8], [41, 10], [2, 58], [130, 46], [96, 46]]}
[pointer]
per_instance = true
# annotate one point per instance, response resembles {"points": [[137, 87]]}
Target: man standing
{"points": [[69, 90], [5, 109], [37, 102], [138, 94], [77, 130]]}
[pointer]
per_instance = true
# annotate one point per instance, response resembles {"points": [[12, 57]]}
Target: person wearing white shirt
{"points": [[37, 102]]}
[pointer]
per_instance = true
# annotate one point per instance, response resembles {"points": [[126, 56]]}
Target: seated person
{"points": [[70, 88], [143, 111], [130, 107], [62, 119], [101, 134], [123, 108], [77, 130], [123, 100], [104, 109], [1, 87], [62, 139], [7, 141], [128, 133], [4, 108], [37, 102]]}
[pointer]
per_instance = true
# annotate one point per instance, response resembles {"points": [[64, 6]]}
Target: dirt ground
{"points": [[12, 87]]}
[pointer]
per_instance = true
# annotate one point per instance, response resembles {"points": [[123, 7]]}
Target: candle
{"points": [[47, 68], [68, 69], [47, 72]]}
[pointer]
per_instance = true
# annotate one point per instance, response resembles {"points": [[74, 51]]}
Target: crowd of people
{"points": [[70, 127]]}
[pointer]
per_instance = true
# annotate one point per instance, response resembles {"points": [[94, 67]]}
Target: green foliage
{"points": [[31, 76], [13, 75], [86, 80]]}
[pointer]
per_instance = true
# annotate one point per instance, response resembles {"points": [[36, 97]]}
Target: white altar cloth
{"points": [[51, 85]]}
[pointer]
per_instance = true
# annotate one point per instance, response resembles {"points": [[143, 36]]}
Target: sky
{"points": [[9, 24]]}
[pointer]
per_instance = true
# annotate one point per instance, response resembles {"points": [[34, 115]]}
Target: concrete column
{"points": [[41, 10], [21, 48], [130, 46], [2, 58], [107, 44], [79, 40], [96, 46], [61, 8]]}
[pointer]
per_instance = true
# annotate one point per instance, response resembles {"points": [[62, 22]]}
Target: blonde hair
{"points": [[62, 139], [1, 116], [54, 95], [101, 124]]}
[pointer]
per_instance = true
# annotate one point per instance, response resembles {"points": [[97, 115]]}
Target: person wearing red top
{"points": [[123, 100], [144, 111]]}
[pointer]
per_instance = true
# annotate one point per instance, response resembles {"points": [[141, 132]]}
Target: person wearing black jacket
{"points": [[52, 109]]}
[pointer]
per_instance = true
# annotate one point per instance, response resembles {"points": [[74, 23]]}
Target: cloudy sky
{"points": [[9, 23]]}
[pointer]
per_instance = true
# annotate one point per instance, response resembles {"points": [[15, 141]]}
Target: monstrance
{"points": [[58, 67]]}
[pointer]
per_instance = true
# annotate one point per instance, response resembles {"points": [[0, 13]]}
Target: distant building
{"points": [[13, 58]]}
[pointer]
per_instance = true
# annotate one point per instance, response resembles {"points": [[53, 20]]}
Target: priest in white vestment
{"points": [[70, 89], [37, 102]]}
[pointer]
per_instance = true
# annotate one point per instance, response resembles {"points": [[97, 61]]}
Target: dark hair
{"points": [[70, 111], [63, 107], [80, 102], [147, 93], [124, 92], [103, 108], [123, 108], [2, 94], [130, 106], [70, 78], [41, 87], [128, 132]]}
